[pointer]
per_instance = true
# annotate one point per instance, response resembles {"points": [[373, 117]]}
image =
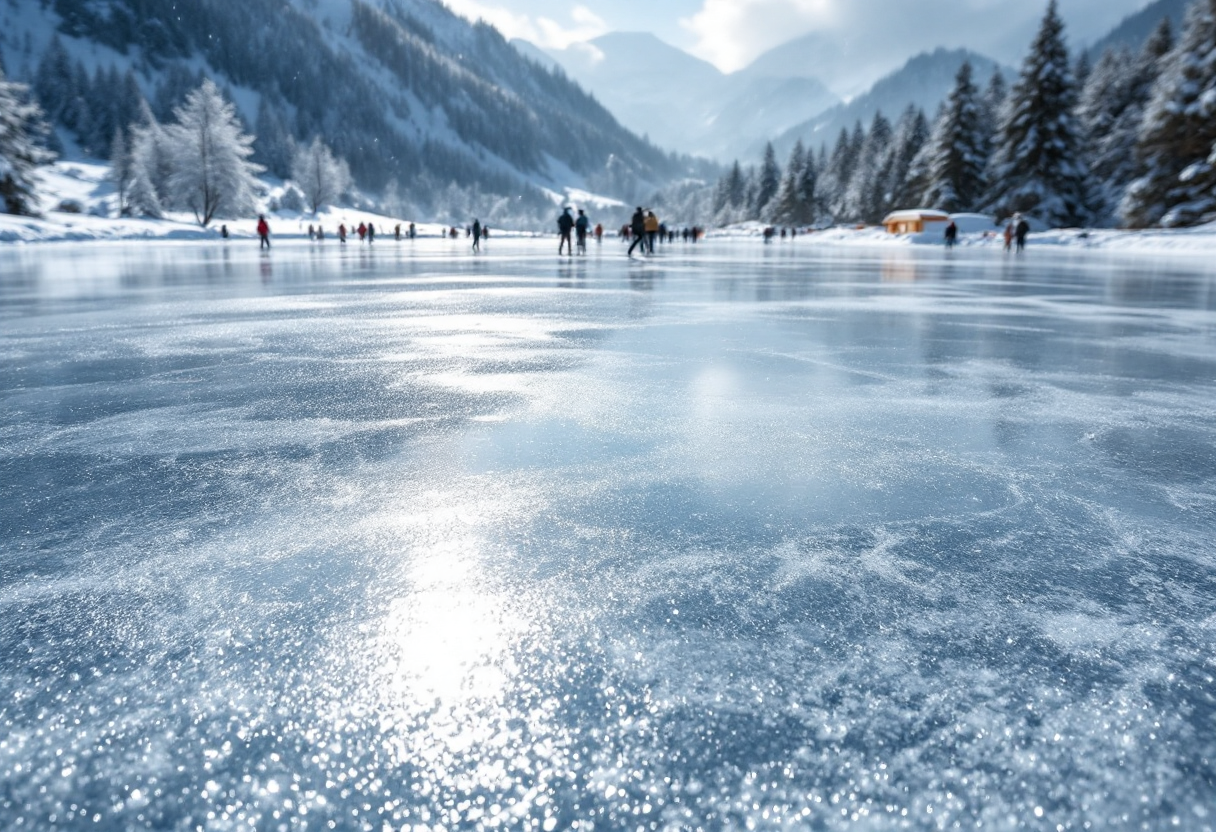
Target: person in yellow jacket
{"points": [[652, 230]]}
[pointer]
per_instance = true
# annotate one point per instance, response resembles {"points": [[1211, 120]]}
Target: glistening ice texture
{"points": [[738, 537]]}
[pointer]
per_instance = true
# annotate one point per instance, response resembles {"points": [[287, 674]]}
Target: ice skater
{"points": [[637, 230], [581, 226], [1020, 232], [565, 224], [263, 232], [651, 226], [951, 234], [476, 235]]}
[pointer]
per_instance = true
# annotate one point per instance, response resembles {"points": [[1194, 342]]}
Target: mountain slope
{"points": [[404, 89], [924, 81], [1134, 29], [683, 103]]}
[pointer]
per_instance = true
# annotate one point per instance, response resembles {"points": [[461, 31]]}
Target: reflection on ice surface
{"points": [[735, 537]]}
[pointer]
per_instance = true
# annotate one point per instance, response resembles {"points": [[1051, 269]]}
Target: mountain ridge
{"points": [[404, 89]]}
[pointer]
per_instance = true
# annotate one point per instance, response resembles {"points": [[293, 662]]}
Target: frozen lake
{"points": [[743, 536]]}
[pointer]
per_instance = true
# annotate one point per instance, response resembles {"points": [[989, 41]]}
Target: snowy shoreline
{"points": [[61, 228], [86, 185]]}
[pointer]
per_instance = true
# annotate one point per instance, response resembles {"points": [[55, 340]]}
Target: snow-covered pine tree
{"points": [[275, 148], [1081, 69], [807, 196], [122, 171], [834, 185], [834, 175], [768, 183], [1111, 112], [21, 126], [917, 180], [1037, 168], [863, 200], [995, 95], [55, 80], [1178, 134], [750, 209], [1106, 97], [911, 135], [960, 148], [322, 177], [787, 209], [152, 163], [212, 174]]}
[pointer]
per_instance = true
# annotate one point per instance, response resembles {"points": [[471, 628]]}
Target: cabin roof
{"points": [[922, 214]]}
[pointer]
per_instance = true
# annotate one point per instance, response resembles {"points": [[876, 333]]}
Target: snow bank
{"points": [[78, 203], [978, 231]]}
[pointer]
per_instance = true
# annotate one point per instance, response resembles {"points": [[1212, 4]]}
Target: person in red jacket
{"points": [[263, 232]]}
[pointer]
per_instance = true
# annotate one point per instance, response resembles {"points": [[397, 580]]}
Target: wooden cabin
{"points": [[915, 221]]}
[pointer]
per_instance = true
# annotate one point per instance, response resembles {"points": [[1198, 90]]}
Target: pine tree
{"points": [[122, 171], [911, 137], [863, 199], [731, 196], [55, 81], [1105, 99], [807, 197], [788, 208], [1037, 166], [152, 166], [212, 174], [768, 183], [839, 171], [1081, 69], [995, 95], [1178, 135], [960, 149], [20, 151], [275, 147], [320, 176]]}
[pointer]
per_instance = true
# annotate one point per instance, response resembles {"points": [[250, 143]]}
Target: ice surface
{"points": [[743, 536]]}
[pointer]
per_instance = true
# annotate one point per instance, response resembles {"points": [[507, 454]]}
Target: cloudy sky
{"points": [[730, 33]]}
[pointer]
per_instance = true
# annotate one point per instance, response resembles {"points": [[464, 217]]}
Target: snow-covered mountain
{"points": [[924, 81], [1135, 29], [683, 103], [407, 91]]}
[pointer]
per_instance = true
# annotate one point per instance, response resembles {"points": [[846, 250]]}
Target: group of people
{"points": [[1016, 231], [365, 230], [573, 232]]}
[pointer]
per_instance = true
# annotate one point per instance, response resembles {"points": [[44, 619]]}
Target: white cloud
{"points": [[731, 33], [583, 24]]}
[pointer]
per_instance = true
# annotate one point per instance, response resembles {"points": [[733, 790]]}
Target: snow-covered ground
{"points": [[86, 185], [1199, 240], [85, 190]]}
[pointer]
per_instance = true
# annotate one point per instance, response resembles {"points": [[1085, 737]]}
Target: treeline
{"points": [[383, 106], [1130, 141]]}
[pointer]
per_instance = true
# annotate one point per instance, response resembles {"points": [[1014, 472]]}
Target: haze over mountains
{"points": [[796, 90], [684, 103]]}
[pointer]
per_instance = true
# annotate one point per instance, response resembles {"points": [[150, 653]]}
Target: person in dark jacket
{"points": [[951, 234], [581, 226], [1020, 231], [637, 228], [476, 235], [565, 225]]}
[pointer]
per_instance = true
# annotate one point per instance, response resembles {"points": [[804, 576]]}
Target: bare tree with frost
{"points": [[212, 174], [322, 177]]}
